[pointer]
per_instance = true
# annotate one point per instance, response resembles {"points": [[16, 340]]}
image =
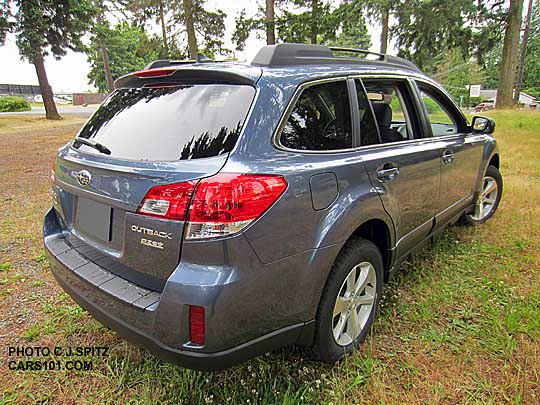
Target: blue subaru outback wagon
{"points": [[212, 211]]}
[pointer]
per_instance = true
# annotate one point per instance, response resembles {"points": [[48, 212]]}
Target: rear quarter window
{"points": [[170, 123], [320, 119]]}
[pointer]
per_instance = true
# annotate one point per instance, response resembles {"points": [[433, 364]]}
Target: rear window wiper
{"points": [[101, 148]]}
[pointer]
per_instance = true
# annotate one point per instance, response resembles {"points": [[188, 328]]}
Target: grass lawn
{"points": [[460, 324]]}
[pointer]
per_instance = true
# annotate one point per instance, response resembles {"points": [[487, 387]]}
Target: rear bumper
{"points": [[193, 360], [147, 318]]}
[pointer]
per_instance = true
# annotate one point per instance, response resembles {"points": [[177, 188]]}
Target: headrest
{"points": [[383, 114]]}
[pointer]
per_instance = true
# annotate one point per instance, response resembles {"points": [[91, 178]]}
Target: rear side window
{"points": [[320, 119], [170, 123]]}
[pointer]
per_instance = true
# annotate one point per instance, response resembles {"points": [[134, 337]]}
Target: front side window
{"points": [[441, 119], [320, 119], [169, 123]]}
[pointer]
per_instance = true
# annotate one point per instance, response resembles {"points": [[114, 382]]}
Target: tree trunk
{"points": [[314, 16], [107, 69], [190, 28], [163, 28], [523, 54], [51, 113], [507, 75], [270, 23], [385, 17], [104, 52]]}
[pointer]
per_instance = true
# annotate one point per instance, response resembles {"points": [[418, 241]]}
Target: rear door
{"points": [[461, 150], [152, 136], [404, 167]]}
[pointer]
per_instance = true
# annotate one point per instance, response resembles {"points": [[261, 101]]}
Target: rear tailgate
{"points": [[101, 221], [155, 136]]}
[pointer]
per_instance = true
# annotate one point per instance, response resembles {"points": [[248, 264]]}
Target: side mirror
{"points": [[482, 125]]}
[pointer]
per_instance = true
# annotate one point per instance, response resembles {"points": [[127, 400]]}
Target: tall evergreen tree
{"points": [[42, 27], [304, 21], [270, 22], [505, 97], [426, 29], [523, 52], [186, 24], [263, 21], [128, 48], [531, 70], [380, 11]]}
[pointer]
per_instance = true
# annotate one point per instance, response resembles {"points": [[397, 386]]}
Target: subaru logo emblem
{"points": [[84, 177]]}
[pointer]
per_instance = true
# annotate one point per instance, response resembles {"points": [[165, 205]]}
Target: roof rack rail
{"points": [[304, 54], [380, 56], [171, 62]]}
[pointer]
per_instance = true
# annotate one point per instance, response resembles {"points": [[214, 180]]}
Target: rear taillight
{"points": [[220, 205], [168, 202], [196, 325], [226, 203]]}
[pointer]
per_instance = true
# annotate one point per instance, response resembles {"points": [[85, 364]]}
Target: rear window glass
{"points": [[170, 123]]}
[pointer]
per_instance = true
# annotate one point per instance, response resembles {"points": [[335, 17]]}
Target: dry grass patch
{"points": [[27, 123]]}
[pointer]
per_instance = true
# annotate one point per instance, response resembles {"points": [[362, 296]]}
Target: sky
{"points": [[69, 74]]}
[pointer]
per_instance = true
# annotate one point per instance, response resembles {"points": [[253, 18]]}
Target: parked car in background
{"points": [[483, 107], [214, 211]]}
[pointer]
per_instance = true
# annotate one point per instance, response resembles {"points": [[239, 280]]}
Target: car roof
{"points": [[296, 63], [304, 73]]}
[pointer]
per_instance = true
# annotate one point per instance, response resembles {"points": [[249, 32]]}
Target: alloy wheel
{"points": [[486, 200], [354, 303]]}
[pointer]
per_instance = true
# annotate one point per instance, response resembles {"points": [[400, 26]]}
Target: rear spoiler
{"points": [[206, 73]]}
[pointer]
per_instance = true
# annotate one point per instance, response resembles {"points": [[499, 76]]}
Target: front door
{"points": [[404, 167], [461, 150]]}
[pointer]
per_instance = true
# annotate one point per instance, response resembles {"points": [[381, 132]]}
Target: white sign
{"points": [[474, 90]]}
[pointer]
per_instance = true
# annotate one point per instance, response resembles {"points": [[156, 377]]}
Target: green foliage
{"points": [[297, 22], [531, 72], [43, 26], [427, 29], [209, 25], [491, 67], [245, 25], [456, 73], [352, 28], [11, 104], [432, 106], [129, 49], [307, 18]]}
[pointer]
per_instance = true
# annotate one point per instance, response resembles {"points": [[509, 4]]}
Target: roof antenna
{"points": [[202, 58]]}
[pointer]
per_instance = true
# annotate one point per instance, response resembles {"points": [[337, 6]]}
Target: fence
{"points": [[19, 89]]}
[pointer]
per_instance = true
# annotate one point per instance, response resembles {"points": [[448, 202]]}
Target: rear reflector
{"points": [[220, 205], [155, 72], [53, 171], [196, 325]]}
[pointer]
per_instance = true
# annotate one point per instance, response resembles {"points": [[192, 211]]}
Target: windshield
{"points": [[169, 123]]}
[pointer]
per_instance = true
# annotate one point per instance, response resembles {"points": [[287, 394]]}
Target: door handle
{"points": [[448, 157], [386, 175]]}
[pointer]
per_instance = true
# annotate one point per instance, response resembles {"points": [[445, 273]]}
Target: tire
{"points": [[486, 203], [360, 264]]}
